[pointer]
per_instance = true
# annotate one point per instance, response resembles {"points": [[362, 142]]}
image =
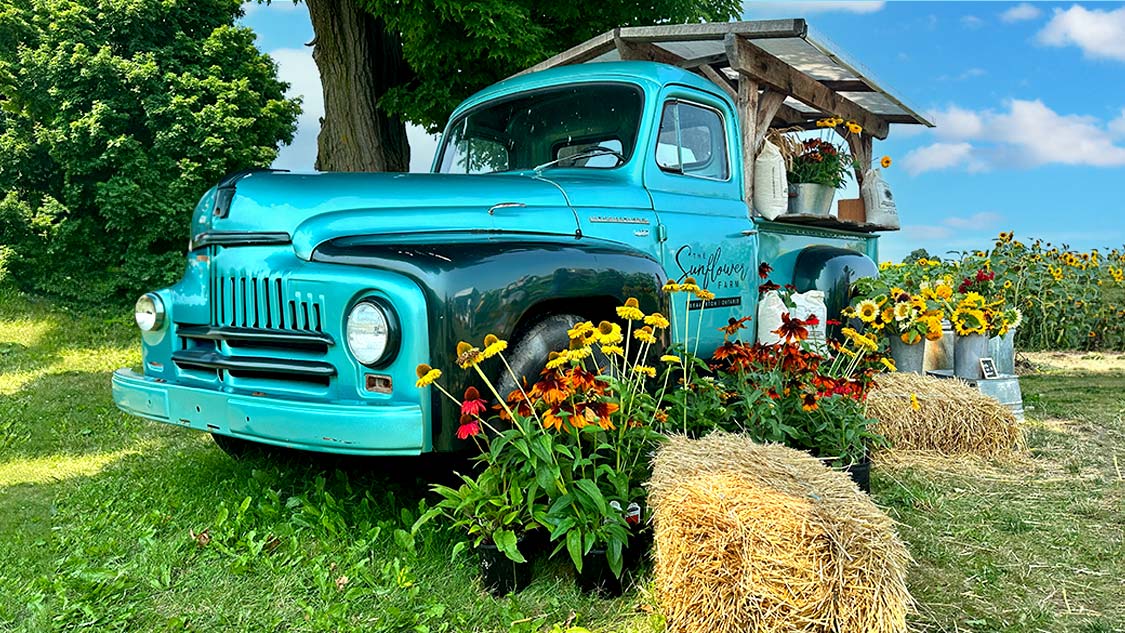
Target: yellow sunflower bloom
{"points": [[903, 311], [885, 162], [854, 127], [646, 370], [867, 310]]}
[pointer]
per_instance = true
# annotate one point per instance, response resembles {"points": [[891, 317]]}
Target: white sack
{"points": [[771, 188], [878, 200]]}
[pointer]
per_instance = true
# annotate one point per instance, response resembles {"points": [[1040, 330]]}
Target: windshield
{"points": [[534, 128]]}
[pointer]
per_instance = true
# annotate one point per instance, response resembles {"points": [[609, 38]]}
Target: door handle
{"points": [[749, 232]]}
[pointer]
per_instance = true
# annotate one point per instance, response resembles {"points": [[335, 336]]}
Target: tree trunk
{"points": [[358, 62]]}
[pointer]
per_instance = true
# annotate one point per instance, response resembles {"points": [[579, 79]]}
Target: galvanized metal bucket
{"points": [[939, 353], [808, 198], [967, 352], [908, 358], [1003, 352]]}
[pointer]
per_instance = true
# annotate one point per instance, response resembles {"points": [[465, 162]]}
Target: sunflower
{"points": [[854, 127], [867, 310], [967, 321], [885, 162], [903, 311], [426, 375], [631, 310]]}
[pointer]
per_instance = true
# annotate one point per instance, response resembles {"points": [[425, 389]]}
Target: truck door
{"points": [[694, 179]]}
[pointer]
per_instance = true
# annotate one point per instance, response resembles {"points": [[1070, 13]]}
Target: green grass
{"points": [[100, 517]]}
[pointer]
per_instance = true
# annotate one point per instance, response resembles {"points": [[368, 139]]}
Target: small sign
{"points": [[988, 368]]}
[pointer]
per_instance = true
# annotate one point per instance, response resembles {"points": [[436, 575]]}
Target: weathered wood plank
{"points": [[747, 104], [718, 78], [862, 148], [751, 61], [757, 29], [646, 52], [768, 104], [847, 85], [582, 53]]}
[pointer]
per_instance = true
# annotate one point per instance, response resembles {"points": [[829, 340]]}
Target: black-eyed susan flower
{"points": [[426, 375], [468, 356], [854, 127], [631, 311], [657, 321], [885, 162]]}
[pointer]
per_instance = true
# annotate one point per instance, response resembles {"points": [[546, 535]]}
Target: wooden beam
{"points": [[755, 29], [847, 85], [720, 80], [751, 61], [862, 148], [584, 52], [747, 104], [768, 104], [646, 52]]}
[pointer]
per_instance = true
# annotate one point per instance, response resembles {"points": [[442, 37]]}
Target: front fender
{"points": [[480, 284]]}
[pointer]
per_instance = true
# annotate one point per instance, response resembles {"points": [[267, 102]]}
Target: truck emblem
{"points": [[603, 219]]}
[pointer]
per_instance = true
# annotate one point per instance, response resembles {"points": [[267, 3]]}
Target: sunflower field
{"points": [[1067, 299]]}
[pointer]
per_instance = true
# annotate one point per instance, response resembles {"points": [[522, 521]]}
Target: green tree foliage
{"points": [[115, 116], [457, 48]]}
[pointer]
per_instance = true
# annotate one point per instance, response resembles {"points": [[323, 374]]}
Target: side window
{"points": [[692, 141]]}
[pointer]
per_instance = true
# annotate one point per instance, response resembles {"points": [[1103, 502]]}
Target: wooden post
{"points": [[748, 115], [861, 147]]}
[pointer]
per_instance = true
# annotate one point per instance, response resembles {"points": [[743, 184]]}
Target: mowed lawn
{"points": [[108, 522]]}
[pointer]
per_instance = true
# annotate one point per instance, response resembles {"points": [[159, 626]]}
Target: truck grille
{"points": [[266, 302]]}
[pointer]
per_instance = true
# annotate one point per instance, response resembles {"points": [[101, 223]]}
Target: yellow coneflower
{"points": [[579, 332], [645, 335], [557, 359], [671, 286], [888, 363], [689, 285], [646, 370], [610, 333], [426, 375], [670, 358], [468, 356], [631, 311], [615, 350], [493, 346], [704, 295], [914, 404], [657, 320]]}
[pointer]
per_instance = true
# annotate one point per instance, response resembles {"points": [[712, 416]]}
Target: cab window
{"points": [[692, 141]]}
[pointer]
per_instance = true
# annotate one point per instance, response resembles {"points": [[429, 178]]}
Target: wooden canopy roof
{"points": [[798, 76]]}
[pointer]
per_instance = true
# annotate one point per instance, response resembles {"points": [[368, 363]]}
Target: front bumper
{"points": [[351, 429]]}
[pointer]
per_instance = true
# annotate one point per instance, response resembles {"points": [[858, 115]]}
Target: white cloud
{"points": [[937, 156], [977, 221], [296, 66], [1020, 12], [971, 22], [1025, 134], [1100, 34], [796, 9]]}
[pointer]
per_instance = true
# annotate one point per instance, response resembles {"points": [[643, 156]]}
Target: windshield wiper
{"points": [[586, 153]]}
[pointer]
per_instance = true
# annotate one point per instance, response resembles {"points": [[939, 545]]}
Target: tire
{"points": [[234, 447], [529, 353]]}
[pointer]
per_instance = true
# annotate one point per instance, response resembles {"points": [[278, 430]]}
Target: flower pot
{"points": [[1003, 352], [597, 578], [939, 353], [499, 574], [809, 198], [861, 474], [908, 358], [967, 352]]}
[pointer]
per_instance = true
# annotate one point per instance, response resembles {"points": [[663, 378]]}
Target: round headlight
{"points": [[149, 312], [369, 332]]}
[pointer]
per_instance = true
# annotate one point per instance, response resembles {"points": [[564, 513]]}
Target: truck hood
{"points": [[313, 208]]}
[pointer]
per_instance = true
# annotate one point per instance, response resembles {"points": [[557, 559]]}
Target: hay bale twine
{"points": [[753, 537], [924, 413]]}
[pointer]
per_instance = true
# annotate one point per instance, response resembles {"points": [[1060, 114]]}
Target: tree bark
{"points": [[358, 62]]}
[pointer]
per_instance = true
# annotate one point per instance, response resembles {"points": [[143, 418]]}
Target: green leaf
{"points": [[506, 542], [574, 548], [595, 495]]}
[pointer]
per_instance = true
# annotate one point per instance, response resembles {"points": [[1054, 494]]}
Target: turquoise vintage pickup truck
{"points": [[309, 299]]}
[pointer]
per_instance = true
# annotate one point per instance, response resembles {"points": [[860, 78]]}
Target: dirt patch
{"points": [[1097, 362]]}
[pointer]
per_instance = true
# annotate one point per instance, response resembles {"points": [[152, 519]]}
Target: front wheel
{"points": [[529, 353], [235, 447]]}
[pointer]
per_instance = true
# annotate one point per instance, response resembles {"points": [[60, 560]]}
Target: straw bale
{"points": [[951, 418], [753, 537]]}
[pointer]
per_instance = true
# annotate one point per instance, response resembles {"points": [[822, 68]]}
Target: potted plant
{"points": [[816, 170], [906, 318]]}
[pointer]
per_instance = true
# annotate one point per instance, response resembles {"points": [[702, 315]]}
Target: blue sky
{"points": [[1029, 100]]}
